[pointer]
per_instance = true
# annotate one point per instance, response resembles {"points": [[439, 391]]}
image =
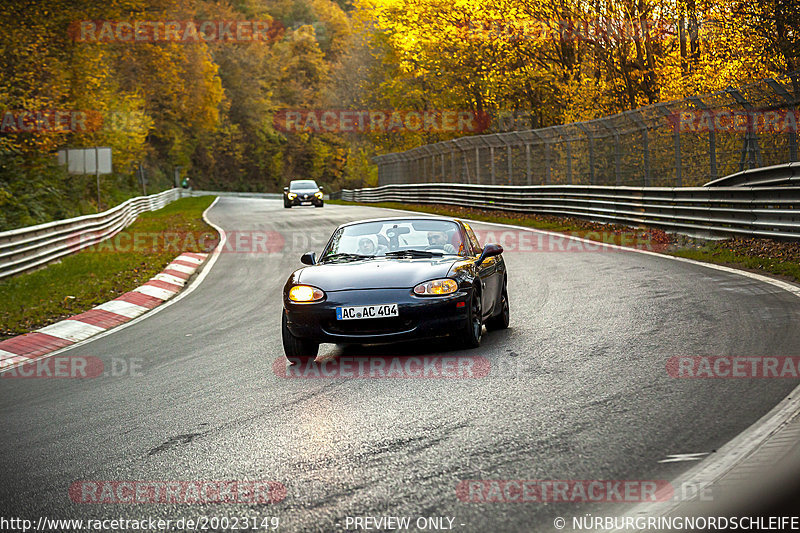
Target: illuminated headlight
{"points": [[318, 194], [291, 196], [436, 287], [305, 293]]}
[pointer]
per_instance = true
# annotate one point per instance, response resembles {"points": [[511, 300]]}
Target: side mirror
{"points": [[286, 189], [490, 250], [320, 187], [309, 258]]}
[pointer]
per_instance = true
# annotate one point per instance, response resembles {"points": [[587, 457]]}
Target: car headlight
{"points": [[291, 196], [305, 293], [318, 194], [436, 287]]}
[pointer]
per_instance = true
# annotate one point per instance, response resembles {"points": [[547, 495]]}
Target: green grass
{"points": [[718, 253], [759, 255], [88, 278]]}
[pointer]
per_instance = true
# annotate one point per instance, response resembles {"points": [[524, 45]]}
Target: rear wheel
{"points": [[297, 350], [473, 328], [500, 321]]}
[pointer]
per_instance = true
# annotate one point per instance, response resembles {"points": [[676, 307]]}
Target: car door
{"points": [[487, 272]]}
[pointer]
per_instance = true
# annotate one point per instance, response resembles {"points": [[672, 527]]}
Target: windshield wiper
{"points": [[414, 253], [346, 256]]}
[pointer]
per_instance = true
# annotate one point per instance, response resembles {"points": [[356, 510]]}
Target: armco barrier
{"points": [[34, 246], [785, 174], [708, 212]]}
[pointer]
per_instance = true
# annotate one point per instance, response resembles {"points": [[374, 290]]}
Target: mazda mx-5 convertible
{"points": [[395, 279]]}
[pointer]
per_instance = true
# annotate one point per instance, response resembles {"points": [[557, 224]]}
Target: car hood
{"points": [[375, 273]]}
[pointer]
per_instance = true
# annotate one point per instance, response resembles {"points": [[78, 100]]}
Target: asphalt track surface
{"points": [[578, 389]]}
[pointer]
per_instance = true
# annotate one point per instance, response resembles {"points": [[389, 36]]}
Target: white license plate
{"points": [[305, 203], [366, 311]]}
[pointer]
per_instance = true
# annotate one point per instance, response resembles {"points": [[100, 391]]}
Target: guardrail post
{"points": [[528, 161], [491, 156], [611, 128], [510, 167], [636, 117], [750, 150], [712, 137], [676, 135], [569, 162], [588, 134], [477, 165], [678, 178], [792, 106], [546, 156]]}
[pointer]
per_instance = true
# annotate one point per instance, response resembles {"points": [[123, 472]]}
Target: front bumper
{"points": [[301, 200], [418, 317]]}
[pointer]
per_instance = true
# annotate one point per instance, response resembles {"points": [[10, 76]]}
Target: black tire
{"points": [[473, 328], [320, 205], [297, 351], [287, 206], [500, 321]]}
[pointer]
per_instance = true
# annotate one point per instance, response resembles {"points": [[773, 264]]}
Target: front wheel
{"points": [[473, 327], [297, 350], [320, 205], [501, 320]]}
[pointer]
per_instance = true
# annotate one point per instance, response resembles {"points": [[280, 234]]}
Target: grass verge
{"points": [[777, 258], [104, 271]]}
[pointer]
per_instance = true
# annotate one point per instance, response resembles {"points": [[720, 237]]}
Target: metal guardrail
{"points": [[706, 212], [28, 248], [786, 174]]}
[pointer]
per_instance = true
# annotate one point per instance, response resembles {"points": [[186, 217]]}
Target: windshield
{"points": [[304, 185], [377, 239]]}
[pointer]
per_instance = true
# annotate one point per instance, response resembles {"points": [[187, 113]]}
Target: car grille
{"points": [[370, 326]]}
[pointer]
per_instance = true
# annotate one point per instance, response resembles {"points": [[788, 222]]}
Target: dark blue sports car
{"points": [[395, 279]]}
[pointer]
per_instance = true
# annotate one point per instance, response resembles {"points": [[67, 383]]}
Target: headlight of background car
{"points": [[318, 194], [291, 196], [305, 293], [436, 287]]}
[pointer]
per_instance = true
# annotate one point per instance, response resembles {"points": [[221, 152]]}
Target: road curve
{"points": [[578, 390]]}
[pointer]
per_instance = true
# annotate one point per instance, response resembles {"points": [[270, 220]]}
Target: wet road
{"points": [[578, 389]]}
